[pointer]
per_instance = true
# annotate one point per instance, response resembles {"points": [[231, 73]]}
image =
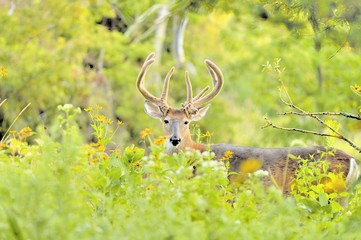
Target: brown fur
{"points": [[278, 162]]}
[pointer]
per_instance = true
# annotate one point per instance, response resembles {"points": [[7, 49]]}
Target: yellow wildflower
{"points": [[247, 166], [227, 155], [146, 132], [159, 141], [334, 183], [94, 144], [238, 178], [357, 89], [115, 151], [3, 72], [101, 118], [101, 148], [109, 121], [3, 145], [135, 150], [26, 129], [13, 131], [250, 165], [88, 109], [26, 132], [99, 107], [137, 164], [150, 187], [120, 123], [207, 134], [90, 151]]}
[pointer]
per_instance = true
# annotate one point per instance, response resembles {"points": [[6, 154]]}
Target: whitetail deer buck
{"points": [[275, 160]]}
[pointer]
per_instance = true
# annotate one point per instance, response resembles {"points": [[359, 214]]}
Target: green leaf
{"points": [[323, 199]]}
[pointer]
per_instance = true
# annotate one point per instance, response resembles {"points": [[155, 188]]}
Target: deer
{"points": [[276, 161]]}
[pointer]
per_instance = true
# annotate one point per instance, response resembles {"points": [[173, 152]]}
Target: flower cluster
{"points": [[15, 142], [3, 72], [103, 133], [146, 132], [227, 155], [334, 184], [207, 134], [159, 141], [357, 89], [249, 166]]}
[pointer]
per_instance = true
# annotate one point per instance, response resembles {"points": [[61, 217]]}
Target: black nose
{"points": [[175, 140]]}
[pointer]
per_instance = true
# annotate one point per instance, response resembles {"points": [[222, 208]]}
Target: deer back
{"points": [[282, 163]]}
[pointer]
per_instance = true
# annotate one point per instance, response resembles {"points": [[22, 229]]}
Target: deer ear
{"points": [[201, 113], [152, 110]]}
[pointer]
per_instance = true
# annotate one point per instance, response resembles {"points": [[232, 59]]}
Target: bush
{"points": [[65, 189]]}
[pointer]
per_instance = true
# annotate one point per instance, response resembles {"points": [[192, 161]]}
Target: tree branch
{"points": [[347, 115], [315, 115], [336, 135], [270, 124]]}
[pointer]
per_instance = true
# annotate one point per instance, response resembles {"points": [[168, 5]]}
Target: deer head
{"points": [[176, 120]]}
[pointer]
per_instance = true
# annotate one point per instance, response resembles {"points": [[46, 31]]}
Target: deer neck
{"points": [[189, 143]]}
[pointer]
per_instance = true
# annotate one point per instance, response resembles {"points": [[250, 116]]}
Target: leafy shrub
{"points": [[61, 188], [317, 189]]}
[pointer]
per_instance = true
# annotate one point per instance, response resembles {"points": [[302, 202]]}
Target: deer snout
{"points": [[175, 140]]}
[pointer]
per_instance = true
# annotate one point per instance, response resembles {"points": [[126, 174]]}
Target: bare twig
{"points": [[315, 115], [345, 40], [347, 115], [270, 124], [335, 135], [2, 102], [302, 112]]}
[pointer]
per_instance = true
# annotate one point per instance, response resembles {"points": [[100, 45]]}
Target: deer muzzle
{"points": [[175, 138]]}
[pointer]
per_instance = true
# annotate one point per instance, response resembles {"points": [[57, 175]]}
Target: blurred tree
{"points": [[92, 54], [329, 20]]}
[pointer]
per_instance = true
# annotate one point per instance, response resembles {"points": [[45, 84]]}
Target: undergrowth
{"points": [[59, 187]]}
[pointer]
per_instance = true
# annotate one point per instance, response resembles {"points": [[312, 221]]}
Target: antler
{"points": [[162, 101], [192, 104]]}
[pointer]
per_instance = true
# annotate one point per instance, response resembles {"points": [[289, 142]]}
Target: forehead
{"points": [[176, 114]]}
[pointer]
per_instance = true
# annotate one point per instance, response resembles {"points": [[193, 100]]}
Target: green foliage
{"points": [[357, 89], [319, 191], [55, 189], [56, 185]]}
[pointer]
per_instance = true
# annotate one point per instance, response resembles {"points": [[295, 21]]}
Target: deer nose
{"points": [[175, 140]]}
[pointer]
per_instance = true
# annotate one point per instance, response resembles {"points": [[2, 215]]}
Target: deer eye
{"points": [[186, 122], [166, 121]]}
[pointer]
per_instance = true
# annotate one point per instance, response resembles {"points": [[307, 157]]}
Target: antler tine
{"points": [[162, 101], [150, 56], [218, 81], [164, 95], [140, 80], [188, 106], [189, 89], [199, 95], [214, 76]]}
